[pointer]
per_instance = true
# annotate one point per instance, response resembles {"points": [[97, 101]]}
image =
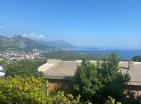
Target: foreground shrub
{"points": [[61, 98], [22, 90], [31, 90]]}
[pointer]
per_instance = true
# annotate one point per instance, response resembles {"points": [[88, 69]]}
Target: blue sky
{"points": [[94, 23]]}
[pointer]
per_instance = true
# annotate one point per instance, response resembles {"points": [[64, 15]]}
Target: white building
{"points": [[1, 71]]}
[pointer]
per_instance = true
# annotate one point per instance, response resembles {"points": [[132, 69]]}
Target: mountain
{"points": [[19, 42], [4, 41], [61, 44], [22, 43], [50, 49]]}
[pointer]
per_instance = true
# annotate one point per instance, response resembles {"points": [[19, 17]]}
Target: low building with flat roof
{"points": [[62, 71]]}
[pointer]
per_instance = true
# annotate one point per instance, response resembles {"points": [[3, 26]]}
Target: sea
{"points": [[125, 54]]}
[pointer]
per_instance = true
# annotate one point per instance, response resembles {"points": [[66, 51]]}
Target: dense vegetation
{"points": [[31, 90], [24, 67], [65, 55], [137, 58], [95, 82], [23, 84], [71, 55], [22, 90]]}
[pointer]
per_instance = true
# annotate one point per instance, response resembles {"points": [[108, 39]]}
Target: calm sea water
{"points": [[123, 54]]}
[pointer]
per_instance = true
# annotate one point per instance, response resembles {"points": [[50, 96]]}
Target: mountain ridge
{"points": [[20, 42], [60, 44]]}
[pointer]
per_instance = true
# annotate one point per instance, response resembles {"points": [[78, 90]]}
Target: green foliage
{"points": [[2, 62], [22, 85], [86, 79], [23, 90], [31, 90], [61, 98], [72, 55], [112, 101], [24, 67], [137, 58], [64, 55], [94, 82], [108, 68]]}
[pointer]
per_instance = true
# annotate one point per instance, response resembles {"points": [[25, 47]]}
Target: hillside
{"points": [[52, 49], [60, 44], [4, 41], [22, 43]]}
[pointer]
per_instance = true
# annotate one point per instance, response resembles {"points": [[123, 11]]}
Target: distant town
{"points": [[19, 55]]}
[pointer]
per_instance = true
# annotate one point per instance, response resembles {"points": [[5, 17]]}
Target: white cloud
{"points": [[1, 27], [34, 36]]}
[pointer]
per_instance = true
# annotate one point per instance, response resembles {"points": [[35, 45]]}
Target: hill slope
{"points": [[19, 42], [60, 44]]}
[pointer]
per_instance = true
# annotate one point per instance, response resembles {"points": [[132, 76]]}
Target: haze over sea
{"points": [[125, 54]]}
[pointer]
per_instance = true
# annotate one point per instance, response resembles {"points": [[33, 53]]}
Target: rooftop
{"points": [[59, 69]]}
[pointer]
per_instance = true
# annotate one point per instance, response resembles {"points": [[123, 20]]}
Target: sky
{"points": [[86, 23]]}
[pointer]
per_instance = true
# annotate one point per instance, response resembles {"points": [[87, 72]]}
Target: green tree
{"points": [[137, 58], [94, 82], [86, 80]]}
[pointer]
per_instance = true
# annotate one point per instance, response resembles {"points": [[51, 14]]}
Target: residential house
{"points": [[59, 73]]}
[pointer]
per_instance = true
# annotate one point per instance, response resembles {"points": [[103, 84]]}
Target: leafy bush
{"points": [[23, 90], [31, 90], [24, 68]]}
